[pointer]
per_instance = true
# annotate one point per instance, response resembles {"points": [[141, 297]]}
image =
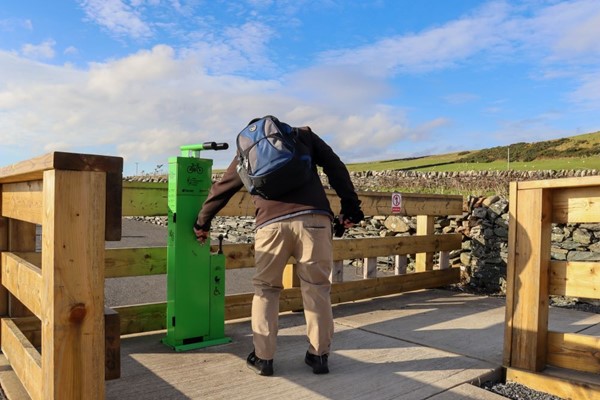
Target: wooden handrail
{"points": [[33, 170]]}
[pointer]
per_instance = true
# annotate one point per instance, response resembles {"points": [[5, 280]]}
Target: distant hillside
{"points": [[576, 146], [575, 152]]}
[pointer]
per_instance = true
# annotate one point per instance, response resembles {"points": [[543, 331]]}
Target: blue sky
{"points": [[378, 79]]}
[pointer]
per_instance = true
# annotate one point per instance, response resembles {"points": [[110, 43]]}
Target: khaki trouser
{"points": [[308, 239]]}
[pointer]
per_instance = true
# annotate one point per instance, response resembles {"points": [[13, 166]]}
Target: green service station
{"points": [[195, 276]]}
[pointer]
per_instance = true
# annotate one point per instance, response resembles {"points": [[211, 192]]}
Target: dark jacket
{"points": [[310, 196]]}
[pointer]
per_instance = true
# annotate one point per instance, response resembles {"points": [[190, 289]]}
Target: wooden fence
{"points": [[564, 364], [54, 299], [52, 302], [150, 199]]}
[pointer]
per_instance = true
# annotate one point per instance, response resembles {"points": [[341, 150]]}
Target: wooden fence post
{"points": [[528, 291], [73, 225], [337, 273], [370, 267], [400, 264], [425, 226], [290, 277]]}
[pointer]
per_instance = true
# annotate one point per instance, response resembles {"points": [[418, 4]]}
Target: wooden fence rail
{"points": [[52, 331], [564, 364]]}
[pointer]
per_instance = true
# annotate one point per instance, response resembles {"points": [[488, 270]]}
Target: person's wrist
{"points": [[197, 227]]}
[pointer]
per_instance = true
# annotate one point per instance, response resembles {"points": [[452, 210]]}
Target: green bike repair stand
{"points": [[195, 277]]}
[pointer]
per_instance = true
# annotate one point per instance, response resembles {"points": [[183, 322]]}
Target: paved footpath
{"points": [[426, 344]]}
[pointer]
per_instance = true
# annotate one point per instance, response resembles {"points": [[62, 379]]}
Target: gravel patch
{"points": [[515, 391]]}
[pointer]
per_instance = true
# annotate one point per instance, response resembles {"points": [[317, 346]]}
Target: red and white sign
{"points": [[396, 203]]}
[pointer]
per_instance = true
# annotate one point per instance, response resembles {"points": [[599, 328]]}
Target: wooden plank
{"points": [[400, 264], [444, 261], [112, 344], [369, 267], [379, 203], [575, 279], [114, 206], [510, 274], [337, 272], [33, 169], [425, 227], [3, 231], [22, 238], [532, 258], [290, 276], [150, 199], [9, 381], [3, 247], [24, 359], [386, 246], [135, 262], [23, 280], [152, 317], [576, 205], [31, 328], [73, 295], [239, 305], [144, 198], [142, 317], [558, 386], [561, 183], [23, 201], [152, 260], [574, 351], [386, 285]]}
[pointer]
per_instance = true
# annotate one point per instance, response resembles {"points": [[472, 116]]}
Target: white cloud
{"points": [[565, 37], [434, 48], [117, 17], [340, 87], [12, 24], [568, 29], [588, 92], [237, 49], [70, 50], [144, 106], [44, 50]]}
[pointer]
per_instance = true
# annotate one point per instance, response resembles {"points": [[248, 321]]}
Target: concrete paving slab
{"points": [[593, 330], [364, 365], [451, 321]]}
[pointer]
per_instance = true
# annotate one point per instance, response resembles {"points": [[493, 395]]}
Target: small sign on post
{"points": [[396, 203]]}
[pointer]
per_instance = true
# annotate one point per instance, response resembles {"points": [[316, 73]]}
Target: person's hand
{"points": [[201, 235], [352, 219], [346, 222]]}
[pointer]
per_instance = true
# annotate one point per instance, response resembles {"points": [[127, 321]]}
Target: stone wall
{"points": [[475, 182]]}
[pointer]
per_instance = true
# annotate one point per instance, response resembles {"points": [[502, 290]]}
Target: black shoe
{"points": [[317, 363], [260, 366]]}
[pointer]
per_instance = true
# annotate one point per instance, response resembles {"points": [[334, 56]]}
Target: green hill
{"points": [[575, 152]]}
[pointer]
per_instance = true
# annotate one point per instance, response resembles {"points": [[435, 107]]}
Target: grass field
{"points": [[440, 163], [450, 162]]}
